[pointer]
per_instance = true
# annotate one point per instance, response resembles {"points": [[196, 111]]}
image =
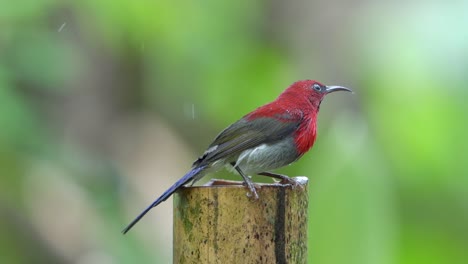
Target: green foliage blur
{"points": [[104, 104]]}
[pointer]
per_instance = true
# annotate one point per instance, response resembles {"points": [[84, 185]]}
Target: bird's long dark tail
{"points": [[182, 181]]}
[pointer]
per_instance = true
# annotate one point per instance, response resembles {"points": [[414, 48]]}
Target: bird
{"points": [[270, 137]]}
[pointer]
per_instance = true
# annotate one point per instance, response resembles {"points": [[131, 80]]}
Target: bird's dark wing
{"points": [[245, 134]]}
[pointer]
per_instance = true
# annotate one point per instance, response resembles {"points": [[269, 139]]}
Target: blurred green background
{"points": [[104, 104]]}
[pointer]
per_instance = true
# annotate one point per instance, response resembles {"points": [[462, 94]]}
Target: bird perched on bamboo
{"points": [[272, 136]]}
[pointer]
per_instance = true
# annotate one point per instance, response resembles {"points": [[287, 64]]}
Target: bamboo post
{"points": [[219, 223]]}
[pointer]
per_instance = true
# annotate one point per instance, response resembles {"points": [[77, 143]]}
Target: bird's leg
{"points": [[248, 181], [284, 179]]}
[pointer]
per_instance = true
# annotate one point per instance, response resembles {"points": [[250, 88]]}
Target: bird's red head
{"points": [[311, 90]]}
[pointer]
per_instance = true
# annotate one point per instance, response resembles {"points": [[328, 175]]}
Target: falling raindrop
{"points": [[62, 26], [193, 111], [189, 110]]}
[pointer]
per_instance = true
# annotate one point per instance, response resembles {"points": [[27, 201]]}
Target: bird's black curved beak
{"points": [[331, 89]]}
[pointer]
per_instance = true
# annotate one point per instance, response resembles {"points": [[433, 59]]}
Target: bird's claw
{"points": [[290, 181], [252, 191], [282, 179]]}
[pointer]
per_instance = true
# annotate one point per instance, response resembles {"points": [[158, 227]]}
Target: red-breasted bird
{"points": [[270, 137]]}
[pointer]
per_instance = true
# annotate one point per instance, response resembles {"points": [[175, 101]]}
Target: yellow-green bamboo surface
{"points": [[221, 223]]}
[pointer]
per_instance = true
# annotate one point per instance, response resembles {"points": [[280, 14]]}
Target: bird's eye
{"points": [[317, 87]]}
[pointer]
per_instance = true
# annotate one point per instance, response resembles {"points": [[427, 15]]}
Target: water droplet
{"points": [[62, 26], [189, 110], [193, 111]]}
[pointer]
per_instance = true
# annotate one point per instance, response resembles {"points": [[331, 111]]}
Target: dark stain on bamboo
{"points": [[280, 245], [215, 219]]}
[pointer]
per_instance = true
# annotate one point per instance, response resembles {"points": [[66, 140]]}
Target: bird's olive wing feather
{"points": [[245, 134]]}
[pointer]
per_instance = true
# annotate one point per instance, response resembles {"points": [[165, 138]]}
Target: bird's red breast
{"points": [[306, 133]]}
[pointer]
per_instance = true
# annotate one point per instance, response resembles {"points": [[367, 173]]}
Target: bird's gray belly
{"points": [[268, 156]]}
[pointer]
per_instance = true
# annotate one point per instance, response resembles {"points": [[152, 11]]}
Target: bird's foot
{"points": [[248, 182], [283, 179], [252, 191]]}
